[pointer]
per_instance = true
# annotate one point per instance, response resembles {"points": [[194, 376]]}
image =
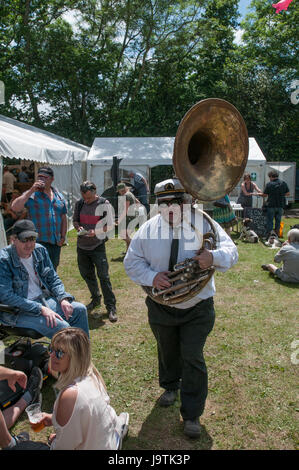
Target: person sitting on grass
{"points": [[82, 416], [289, 255]]}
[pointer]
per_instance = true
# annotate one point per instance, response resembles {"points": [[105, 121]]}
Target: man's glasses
{"points": [[27, 239], [84, 189], [58, 353], [170, 202], [43, 176]]}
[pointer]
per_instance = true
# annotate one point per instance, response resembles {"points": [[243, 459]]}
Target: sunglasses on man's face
{"points": [[43, 176], [58, 352], [27, 239], [85, 189], [170, 202]]}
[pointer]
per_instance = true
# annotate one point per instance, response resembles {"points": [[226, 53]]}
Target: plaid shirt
{"points": [[47, 215]]}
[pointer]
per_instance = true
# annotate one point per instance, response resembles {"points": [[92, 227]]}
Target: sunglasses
{"points": [[84, 189], [43, 176], [27, 239], [170, 202], [58, 352]]}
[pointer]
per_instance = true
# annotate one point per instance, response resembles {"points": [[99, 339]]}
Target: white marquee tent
{"points": [[143, 153], [67, 158]]}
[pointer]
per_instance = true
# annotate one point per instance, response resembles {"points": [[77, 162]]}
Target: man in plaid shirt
{"points": [[47, 209]]}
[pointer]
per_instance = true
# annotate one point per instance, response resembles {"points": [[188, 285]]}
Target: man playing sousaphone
{"points": [[180, 328]]}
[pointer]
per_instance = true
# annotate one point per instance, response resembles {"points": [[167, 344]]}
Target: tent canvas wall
{"points": [[137, 153], [67, 158], [286, 172], [143, 153]]}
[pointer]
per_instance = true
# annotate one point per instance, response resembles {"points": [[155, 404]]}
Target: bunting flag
{"points": [[282, 5]]}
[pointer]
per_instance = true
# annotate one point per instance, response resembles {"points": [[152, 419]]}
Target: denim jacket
{"points": [[14, 280]]}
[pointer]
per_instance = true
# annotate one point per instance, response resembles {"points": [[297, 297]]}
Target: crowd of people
{"points": [[82, 415]]}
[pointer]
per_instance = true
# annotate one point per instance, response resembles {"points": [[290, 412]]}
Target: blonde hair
{"points": [[75, 343]]}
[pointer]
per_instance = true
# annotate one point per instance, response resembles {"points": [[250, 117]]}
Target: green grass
{"points": [[252, 380]]}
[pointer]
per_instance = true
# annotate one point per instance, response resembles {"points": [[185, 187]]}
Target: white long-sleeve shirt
{"points": [[149, 252]]}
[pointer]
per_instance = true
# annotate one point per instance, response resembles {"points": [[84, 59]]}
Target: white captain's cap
{"points": [[168, 189]]}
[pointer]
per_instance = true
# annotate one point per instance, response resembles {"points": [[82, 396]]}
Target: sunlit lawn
{"points": [[252, 376]]}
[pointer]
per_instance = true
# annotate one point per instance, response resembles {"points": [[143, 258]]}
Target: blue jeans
{"points": [[54, 253], [274, 213], [143, 199], [38, 323]]}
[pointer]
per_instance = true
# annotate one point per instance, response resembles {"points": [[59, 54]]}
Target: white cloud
{"points": [[238, 36], [74, 18]]}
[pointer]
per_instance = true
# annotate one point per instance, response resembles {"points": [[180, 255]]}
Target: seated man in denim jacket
{"points": [[28, 281]]}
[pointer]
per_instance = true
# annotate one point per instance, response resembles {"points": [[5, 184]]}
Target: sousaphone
{"points": [[210, 156]]}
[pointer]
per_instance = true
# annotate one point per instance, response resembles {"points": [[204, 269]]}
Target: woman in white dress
{"points": [[82, 416]]}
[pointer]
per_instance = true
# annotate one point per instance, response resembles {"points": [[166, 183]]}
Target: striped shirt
{"points": [[47, 215], [88, 217]]}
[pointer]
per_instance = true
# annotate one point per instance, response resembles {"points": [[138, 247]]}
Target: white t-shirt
{"points": [[34, 289]]}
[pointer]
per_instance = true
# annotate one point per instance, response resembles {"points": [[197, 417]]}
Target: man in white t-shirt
{"points": [[29, 282]]}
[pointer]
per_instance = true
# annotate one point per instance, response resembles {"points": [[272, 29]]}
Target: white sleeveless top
{"points": [[92, 423]]}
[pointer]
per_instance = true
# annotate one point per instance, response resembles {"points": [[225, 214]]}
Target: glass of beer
{"points": [[35, 416]]}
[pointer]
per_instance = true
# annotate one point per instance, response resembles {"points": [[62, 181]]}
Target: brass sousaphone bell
{"points": [[210, 156], [210, 149]]}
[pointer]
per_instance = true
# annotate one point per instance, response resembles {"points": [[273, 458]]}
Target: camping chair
{"points": [[22, 354], [14, 330]]}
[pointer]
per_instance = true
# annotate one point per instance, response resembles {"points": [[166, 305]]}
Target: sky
{"points": [[243, 4]]}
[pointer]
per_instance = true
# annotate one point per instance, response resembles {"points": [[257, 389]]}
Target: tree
{"points": [[135, 67], [261, 75]]}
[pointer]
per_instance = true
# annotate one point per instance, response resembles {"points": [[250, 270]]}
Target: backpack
{"points": [[22, 355]]}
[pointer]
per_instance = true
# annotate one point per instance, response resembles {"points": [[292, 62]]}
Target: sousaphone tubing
{"points": [[210, 156]]}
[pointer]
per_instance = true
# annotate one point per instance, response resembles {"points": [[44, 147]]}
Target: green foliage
{"points": [[133, 68]]}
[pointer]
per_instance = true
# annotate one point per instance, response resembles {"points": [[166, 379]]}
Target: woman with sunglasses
{"points": [[82, 416]]}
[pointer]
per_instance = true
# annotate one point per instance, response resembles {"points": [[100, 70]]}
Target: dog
{"points": [[247, 234], [273, 240]]}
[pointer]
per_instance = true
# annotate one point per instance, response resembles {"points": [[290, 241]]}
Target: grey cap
{"points": [[23, 229]]}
